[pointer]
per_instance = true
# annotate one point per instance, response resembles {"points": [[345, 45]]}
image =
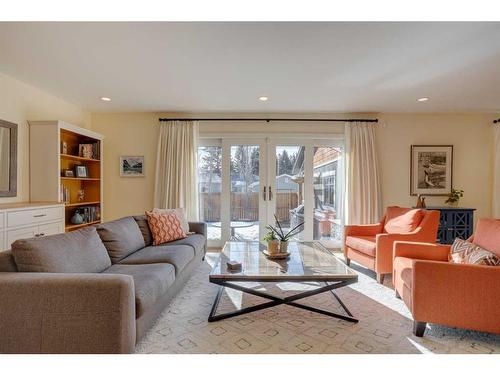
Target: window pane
{"points": [[209, 188]]}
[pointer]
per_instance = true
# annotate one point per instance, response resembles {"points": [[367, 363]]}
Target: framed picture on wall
{"points": [[132, 166], [431, 170]]}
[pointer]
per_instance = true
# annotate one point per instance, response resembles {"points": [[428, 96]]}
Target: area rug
{"points": [[385, 324]]}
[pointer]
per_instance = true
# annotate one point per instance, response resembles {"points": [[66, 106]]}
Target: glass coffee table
{"points": [[308, 262]]}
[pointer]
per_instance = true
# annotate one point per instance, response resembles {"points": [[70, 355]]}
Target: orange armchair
{"points": [[455, 295], [371, 245]]}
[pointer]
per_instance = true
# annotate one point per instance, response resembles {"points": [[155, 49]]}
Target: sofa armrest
{"points": [[198, 227], [419, 250], [385, 243], [457, 295], [363, 230], [66, 313]]}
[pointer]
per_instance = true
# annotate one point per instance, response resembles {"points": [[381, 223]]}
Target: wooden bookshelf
{"points": [[49, 158]]}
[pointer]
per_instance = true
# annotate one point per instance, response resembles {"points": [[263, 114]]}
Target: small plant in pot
{"points": [[454, 197], [281, 236], [272, 242]]}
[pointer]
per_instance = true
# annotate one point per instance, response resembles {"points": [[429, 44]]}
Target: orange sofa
{"points": [[455, 295], [371, 245]]}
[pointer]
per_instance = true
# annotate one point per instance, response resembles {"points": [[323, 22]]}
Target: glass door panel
{"points": [[328, 172], [289, 188], [244, 192]]}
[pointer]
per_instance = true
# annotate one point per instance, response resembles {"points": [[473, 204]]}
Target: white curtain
{"points": [[176, 174], [496, 172], [363, 196]]}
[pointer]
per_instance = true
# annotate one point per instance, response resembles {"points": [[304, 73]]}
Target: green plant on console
{"points": [[454, 196]]}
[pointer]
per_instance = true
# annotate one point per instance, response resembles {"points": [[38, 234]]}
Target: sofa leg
{"points": [[347, 261], [397, 294], [419, 328], [380, 278]]}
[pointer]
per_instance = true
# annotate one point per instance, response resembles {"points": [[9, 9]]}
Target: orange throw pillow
{"points": [[402, 220], [165, 227]]}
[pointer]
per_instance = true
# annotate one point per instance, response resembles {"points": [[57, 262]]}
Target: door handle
{"points": [[264, 193], [41, 215], [270, 194]]}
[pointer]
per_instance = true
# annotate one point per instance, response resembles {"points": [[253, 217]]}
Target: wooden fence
{"points": [[244, 206]]}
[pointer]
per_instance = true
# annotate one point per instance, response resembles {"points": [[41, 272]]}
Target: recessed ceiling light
{"points": [[105, 99], [424, 99], [263, 98]]}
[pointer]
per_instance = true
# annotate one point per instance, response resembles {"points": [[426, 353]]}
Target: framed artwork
{"points": [[431, 170], [132, 166], [81, 171]]}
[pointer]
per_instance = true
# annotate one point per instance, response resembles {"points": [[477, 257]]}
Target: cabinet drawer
{"points": [[19, 234], [27, 217], [50, 229]]}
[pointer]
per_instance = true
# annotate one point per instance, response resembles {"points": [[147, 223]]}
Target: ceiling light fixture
{"points": [[263, 98], [105, 99], [424, 99]]}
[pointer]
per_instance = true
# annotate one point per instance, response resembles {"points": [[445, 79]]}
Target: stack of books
{"points": [[64, 195]]}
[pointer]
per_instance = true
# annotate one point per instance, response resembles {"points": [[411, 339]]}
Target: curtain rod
{"points": [[271, 119]]}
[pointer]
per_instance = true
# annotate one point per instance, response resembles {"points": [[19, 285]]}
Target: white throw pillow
{"points": [[180, 213]]}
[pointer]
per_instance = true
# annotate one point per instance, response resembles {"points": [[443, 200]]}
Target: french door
{"points": [[246, 184]]}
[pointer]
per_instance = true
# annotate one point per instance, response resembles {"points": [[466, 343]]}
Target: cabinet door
{"points": [[18, 234], [50, 229]]}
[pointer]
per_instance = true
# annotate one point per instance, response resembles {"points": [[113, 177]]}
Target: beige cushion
{"points": [[80, 251], [151, 281], [121, 237]]}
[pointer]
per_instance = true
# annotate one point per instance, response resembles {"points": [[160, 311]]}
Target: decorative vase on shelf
{"points": [[453, 204], [77, 218]]}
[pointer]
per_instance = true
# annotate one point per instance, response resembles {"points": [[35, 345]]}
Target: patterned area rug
{"points": [[385, 324]]}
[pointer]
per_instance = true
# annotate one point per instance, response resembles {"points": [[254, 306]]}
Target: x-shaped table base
{"points": [[275, 301]]}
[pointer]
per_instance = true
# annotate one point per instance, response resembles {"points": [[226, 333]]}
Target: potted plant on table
{"points": [[279, 235], [454, 197], [272, 242]]}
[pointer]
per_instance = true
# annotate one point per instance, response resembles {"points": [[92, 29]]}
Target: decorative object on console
{"points": [[420, 201], [431, 170], [81, 171], [165, 227], [465, 252], [454, 197], [131, 166]]}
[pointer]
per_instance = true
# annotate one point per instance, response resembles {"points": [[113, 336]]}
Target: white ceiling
{"points": [[224, 67]]}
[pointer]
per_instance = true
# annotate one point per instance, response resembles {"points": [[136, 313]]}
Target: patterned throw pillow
{"points": [[469, 253], [165, 227], [181, 215]]}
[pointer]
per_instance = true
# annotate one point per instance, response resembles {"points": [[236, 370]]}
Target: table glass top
{"points": [[308, 261]]}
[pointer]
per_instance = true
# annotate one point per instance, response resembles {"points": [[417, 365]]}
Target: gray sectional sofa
{"points": [[94, 290]]}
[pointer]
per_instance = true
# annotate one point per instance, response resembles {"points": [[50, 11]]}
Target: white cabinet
{"points": [[27, 220]]}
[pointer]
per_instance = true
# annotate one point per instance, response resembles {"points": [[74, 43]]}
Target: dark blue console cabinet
{"points": [[454, 222]]}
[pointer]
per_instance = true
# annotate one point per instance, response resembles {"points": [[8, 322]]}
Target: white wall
{"points": [[20, 103]]}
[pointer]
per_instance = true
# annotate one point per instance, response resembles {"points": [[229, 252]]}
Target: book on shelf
{"points": [[64, 195]]}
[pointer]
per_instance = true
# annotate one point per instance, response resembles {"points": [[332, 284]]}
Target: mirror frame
{"points": [[12, 192]]}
